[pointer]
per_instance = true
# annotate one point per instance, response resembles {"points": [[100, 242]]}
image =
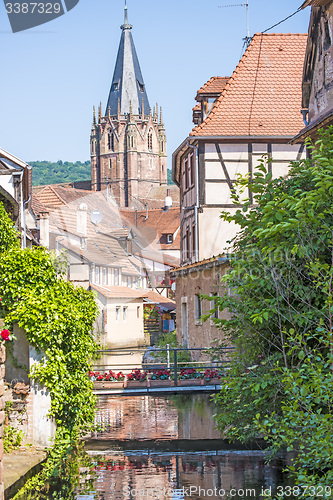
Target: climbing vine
{"points": [[57, 319]]}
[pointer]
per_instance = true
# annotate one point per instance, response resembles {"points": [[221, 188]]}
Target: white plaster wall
{"points": [[214, 232], [43, 426], [6, 182], [129, 333]]}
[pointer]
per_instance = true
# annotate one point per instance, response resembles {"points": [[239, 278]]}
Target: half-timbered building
{"points": [[317, 89], [257, 113]]}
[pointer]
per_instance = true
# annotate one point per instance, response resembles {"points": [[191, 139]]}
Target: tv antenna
{"points": [[247, 39]]}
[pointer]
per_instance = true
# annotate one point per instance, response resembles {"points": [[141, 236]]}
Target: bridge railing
{"points": [[170, 358]]}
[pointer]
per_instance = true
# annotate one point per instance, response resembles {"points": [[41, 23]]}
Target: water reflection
{"points": [[149, 417], [168, 448], [210, 474]]}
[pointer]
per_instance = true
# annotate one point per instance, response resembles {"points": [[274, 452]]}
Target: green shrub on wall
{"points": [[58, 320]]}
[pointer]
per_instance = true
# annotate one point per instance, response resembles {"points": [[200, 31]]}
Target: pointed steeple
{"points": [[127, 82]]}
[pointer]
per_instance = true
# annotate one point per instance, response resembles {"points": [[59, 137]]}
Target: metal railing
{"points": [[173, 360]]}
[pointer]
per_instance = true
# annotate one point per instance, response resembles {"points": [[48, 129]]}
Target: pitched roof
{"points": [[127, 83], [156, 226], [215, 85], [122, 292], [314, 3], [118, 292], [263, 96], [55, 196]]}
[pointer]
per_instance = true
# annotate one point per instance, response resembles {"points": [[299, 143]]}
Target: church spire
{"points": [[127, 82]]}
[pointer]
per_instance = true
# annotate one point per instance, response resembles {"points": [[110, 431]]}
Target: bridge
{"points": [[137, 371]]}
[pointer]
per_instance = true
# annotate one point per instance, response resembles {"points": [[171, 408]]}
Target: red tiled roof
{"points": [[119, 292], [158, 224], [215, 85], [37, 206], [54, 196], [314, 3], [263, 96]]}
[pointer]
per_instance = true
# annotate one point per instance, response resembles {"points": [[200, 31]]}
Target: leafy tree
{"points": [[47, 172], [280, 303]]}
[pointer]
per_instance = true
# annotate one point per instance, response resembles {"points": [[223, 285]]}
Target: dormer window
{"points": [[141, 86], [169, 239], [207, 105], [116, 86]]}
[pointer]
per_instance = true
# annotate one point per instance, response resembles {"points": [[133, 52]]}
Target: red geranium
{"points": [[5, 335]]}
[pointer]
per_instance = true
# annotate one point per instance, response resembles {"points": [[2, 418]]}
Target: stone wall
{"points": [[2, 414], [192, 281]]}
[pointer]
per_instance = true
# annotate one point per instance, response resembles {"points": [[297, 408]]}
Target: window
{"points": [[111, 141], [162, 147], [105, 276], [150, 140], [117, 314], [141, 86], [97, 275], [116, 86], [197, 307], [110, 163], [187, 244], [116, 276], [192, 169], [169, 238], [125, 314], [185, 174], [193, 239], [138, 312], [129, 281], [212, 305]]}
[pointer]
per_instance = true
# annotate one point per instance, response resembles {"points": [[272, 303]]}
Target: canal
{"points": [[167, 447]]}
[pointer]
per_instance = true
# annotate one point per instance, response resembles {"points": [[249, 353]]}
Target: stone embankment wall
{"points": [[2, 414]]}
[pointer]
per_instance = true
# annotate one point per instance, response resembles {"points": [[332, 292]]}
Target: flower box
{"points": [[98, 385], [162, 383], [136, 384], [213, 381], [191, 381]]}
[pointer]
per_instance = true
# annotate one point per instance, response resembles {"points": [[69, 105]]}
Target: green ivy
{"points": [[58, 320]]}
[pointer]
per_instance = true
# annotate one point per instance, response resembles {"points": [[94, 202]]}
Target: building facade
{"points": [[128, 142], [317, 87], [257, 114]]}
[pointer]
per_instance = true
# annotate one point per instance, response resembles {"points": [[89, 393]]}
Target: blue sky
{"points": [[53, 75]]}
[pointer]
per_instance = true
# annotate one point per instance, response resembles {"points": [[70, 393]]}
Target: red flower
{"points": [[5, 335]]}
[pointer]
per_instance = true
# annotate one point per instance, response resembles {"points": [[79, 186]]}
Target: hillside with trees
{"points": [[48, 172]]}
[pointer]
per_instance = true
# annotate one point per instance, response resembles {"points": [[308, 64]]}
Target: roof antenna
{"points": [[247, 39]]}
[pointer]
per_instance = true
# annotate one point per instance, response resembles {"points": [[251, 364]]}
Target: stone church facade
{"points": [[128, 142]]}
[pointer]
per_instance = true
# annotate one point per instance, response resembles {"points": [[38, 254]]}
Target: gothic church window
{"points": [[111, 141], [150, 140]]}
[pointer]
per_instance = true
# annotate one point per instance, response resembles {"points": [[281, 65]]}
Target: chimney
{"points": [[168, 201], [81, 219], [44, 229]]}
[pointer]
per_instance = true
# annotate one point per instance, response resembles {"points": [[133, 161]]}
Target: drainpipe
{"points": [[196, 206], [305, 112]]}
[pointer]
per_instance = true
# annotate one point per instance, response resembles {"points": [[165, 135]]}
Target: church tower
{"points": [[128, 142]]}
